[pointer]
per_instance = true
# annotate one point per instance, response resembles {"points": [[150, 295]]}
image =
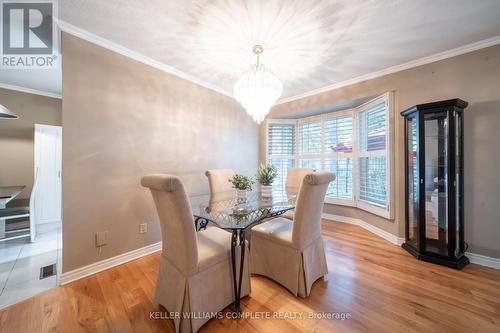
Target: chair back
{"points": [[294, 178], [309, 208], [218, 180], [178, 232]]}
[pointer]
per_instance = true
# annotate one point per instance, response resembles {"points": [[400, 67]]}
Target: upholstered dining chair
{"points": [[218, 180], [195, 267], [292, 254], [294, 178]]}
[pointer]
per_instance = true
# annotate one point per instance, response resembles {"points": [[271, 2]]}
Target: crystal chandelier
{"points": [[258, 89]]}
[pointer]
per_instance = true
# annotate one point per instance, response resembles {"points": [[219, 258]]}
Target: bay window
{"points": [[354, 144]]}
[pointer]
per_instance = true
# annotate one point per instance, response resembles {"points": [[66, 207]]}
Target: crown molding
{"points": [[92, 38], [393, 69], [30, 91], [107, 44]]}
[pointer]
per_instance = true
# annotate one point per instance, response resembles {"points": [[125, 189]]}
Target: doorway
{"points": [[48, 164], [34, 254]]}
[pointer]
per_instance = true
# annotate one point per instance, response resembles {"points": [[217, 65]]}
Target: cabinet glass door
{"points": [[436, 182], [413, 181]]}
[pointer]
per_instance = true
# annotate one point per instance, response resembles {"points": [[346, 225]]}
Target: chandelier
{"points": [[258, 89]]}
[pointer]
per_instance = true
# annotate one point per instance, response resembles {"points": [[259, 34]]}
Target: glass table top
{"points": [[228, 211]]}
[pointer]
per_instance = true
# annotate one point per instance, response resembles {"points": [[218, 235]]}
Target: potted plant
{"points": [[266, 175], [242, 184]]}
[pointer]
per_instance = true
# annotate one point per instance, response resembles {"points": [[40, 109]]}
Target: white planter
{"points": [[266, 191], [241, 194]]}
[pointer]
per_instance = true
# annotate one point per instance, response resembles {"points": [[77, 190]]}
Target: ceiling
{"points": [[344, 105], [307, 44]]}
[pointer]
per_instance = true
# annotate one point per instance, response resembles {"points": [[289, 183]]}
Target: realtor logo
{"points": [[29, 39]]}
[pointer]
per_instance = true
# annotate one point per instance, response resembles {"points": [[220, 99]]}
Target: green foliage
{"points": [[241, 182], [266, 174]]}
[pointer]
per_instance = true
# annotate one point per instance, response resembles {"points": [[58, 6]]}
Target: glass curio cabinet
{"points": [[434, 224]]}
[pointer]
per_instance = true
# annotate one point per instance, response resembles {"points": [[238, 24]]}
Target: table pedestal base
{"points": [[237, 239]]}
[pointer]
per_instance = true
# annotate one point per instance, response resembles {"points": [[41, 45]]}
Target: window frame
{"points": [[388, 211], [388, 99], [322, 156]]}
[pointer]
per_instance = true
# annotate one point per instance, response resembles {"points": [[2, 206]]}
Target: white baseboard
{"points": [[473, 257], [375, 230], [45, 227], [108, 263], [479, 259], [135, 254]]}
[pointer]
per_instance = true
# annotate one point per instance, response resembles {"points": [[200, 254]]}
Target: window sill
{"points": [[332, 201], [372, 209]]}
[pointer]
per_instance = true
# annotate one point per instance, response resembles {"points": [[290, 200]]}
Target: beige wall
{"points": [[474, 77], [17, 135], [122, 120]]}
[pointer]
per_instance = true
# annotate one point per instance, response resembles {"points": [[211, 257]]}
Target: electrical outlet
{"points": [[101, 238], [143, 228]]}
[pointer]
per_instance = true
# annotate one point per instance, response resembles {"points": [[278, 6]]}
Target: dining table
{"points": [[237, 215]]}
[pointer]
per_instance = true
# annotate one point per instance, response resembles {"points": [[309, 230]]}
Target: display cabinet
{"points": [[434, 223]]}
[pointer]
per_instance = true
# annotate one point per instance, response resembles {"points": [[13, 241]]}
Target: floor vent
{"points": [[47, 271]]}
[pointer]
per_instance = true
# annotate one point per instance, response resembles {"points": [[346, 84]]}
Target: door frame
{"points": [[39, 127]]}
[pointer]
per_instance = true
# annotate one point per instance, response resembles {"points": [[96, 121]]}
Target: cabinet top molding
{"points": [[456, 102]]}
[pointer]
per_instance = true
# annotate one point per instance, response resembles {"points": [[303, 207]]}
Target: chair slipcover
{"points": [[195, 274], [218, 180], [292, 253], [294, 178]]}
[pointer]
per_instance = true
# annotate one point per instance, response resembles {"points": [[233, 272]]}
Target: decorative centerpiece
{"points": [[242, 184], [266, 175], [240, 214]]}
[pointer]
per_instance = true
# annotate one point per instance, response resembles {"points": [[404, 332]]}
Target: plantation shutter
{"points": [[281, 139], [281, 150], [338, 134], [372, 157], [338, 149], [310, 144], [310, 137]]}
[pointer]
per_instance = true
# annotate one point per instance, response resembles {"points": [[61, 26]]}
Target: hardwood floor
{"points": [[380, 286]]}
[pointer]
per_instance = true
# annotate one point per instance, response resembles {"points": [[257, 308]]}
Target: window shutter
{"points": [[310, 137], [281, 151], [282, 165], [341, 187], [338, 148], [372, 180], [314, 164], [372, 160], [338, 134], [371, 128], [281, 139]]}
